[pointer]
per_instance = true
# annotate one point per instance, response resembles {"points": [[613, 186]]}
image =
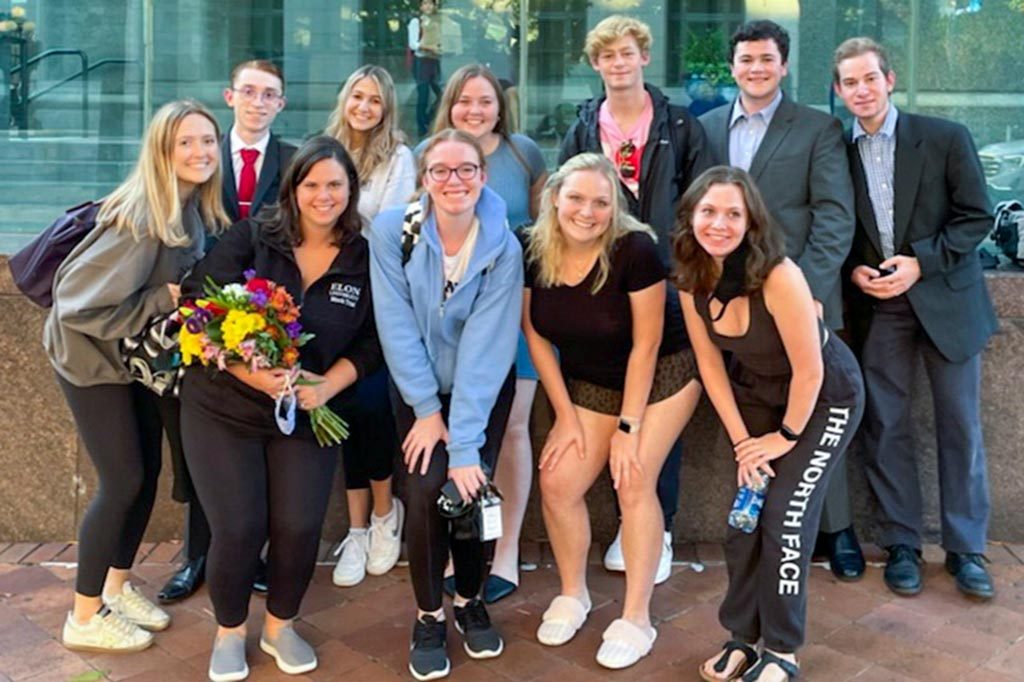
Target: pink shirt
{"points": [[625, 148]]}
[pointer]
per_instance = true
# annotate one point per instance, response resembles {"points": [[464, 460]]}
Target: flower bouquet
{"points": [[256, 324]]}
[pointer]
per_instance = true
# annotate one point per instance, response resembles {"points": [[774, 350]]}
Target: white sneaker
{"points": [[351, 568], [106, 632], [665, 562], [613, 559], [385, 539], [133, 606]]}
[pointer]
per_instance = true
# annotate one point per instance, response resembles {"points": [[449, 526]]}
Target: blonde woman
{"points": [[365, 121], [149, 232], [622, 387], [474, 103]]}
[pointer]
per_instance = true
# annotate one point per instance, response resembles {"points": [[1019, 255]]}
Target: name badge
{"points": [[490, 509]]}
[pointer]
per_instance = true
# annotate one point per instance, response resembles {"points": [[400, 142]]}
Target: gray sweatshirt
{"points": [[108, 288]]}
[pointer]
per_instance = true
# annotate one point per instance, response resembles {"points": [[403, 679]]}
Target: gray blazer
{"points": [[803, 174]]}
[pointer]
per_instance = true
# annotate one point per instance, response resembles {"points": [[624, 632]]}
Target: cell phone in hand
{"points": [[885, 272]]}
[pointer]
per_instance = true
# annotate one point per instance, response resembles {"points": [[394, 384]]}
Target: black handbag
{"points": [[153, 357]]}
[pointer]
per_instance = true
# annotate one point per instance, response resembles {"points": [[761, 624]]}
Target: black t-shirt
{"points": [[594, 332]]}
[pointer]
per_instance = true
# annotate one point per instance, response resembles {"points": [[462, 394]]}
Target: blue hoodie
{"points": [[465, 346]]}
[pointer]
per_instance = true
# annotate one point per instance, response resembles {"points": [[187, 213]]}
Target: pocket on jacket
{"points": [[965, 274]]}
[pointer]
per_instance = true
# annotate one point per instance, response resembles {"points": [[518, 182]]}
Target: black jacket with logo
{"points": [[337, 309], [676, 153]]}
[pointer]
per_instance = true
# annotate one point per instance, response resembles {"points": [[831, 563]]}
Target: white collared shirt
{"points": [[237, 145], [747, 131]]}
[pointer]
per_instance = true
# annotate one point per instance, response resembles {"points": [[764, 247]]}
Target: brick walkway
{"points": [[857, 631]]}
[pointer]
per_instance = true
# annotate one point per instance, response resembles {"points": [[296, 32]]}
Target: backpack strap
{"points": [[412, 224]]}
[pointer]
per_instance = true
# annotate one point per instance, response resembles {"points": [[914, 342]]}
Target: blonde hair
{"points": [[546, 246], [147, 202], [855, 47], [386, 136], [610, 29]]}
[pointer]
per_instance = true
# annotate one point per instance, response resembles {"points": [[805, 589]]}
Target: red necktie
{"points": [[247, 181]]}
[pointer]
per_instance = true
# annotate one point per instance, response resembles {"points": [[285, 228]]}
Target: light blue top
{"points": [[464, 346], [878, 157], [511, 177], [746, 131]]}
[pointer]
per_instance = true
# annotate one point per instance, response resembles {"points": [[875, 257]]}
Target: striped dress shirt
{"points": [[878, 158]]}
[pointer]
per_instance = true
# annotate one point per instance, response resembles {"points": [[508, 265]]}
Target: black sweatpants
{"points": [[255, 484], [427, 533], [767, 594], [369, 452], [120, 426]]}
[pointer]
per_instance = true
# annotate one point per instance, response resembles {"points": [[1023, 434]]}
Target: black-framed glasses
{"points": [[625, 157], [249, 94], [464, 171]]}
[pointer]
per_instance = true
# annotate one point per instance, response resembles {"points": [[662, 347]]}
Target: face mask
{"points": [[733, 281]]}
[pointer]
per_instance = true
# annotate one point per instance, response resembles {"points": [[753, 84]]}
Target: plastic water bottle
{"points": [[746, 508]]}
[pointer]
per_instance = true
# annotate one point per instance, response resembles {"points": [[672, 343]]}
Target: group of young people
{"points": [[666, 255]]}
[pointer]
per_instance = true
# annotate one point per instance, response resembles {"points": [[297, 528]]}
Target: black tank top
{"points": [[760, 350]]}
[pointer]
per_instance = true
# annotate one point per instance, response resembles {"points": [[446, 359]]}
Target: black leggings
{"points": [[427, 533], [370, 450], [121, 429], [256, 484], [197, 528]]}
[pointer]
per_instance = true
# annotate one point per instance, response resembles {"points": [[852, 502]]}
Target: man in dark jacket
{"points": [[253, 160], [658, 149], [922, 210]]}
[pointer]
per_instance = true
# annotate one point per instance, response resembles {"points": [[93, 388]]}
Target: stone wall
{"points": [[46, 478]]}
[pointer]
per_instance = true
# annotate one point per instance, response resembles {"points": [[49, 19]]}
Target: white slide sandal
{"points": [[563, 619]]}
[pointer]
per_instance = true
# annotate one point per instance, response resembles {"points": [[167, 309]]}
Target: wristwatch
{"points": [[629, 425], [788, 433]]}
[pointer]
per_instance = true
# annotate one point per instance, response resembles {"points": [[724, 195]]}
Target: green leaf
{"points": [[90, 676]]}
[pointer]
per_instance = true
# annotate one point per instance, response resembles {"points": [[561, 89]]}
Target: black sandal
{"points": [[728, 649], [767, 659]]}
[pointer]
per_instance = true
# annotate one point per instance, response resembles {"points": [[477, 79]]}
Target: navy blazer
{"points": [[268, 184], [941, 212], [802, 175]]}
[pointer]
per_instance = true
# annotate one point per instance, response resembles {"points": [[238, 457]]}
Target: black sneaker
{"points": [[480, 639], [428, 655]]}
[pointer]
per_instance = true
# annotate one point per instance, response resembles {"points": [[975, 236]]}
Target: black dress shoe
{"points": [[184, 582], [972, 578], [259, 584], [844, 556], [903, 570]]}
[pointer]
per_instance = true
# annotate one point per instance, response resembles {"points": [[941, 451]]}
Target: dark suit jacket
{"points": [[941, 213], [279, 153], [805, 182]]}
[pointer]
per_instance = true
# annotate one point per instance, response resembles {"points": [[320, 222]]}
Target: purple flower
{"points": [[249, 274], [194, 324], [293, 329], [258, 298]]}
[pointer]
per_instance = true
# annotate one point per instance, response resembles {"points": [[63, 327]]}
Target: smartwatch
{"points": [[629, 425], [788, 433]]}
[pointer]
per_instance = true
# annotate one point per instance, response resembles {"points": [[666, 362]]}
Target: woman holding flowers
{"points": [[446, 276], [148, 233], [365, 120], [256, 482]]}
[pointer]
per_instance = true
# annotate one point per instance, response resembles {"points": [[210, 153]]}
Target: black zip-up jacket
{"points": [[337, 308], [676, 153]]}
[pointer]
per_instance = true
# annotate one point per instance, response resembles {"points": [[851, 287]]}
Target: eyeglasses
{"points": [[625, 158], [249, 93], [465, 171]]}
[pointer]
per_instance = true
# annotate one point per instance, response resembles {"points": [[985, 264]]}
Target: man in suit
{"points": [[795, 154], [253, 160], [922, 210], [657, 149]]}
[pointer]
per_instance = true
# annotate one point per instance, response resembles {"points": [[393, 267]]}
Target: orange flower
{"points": [[290, 356]]}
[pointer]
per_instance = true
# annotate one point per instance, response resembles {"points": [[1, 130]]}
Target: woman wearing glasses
{"points": [[622, 388], [474, 103], [365, 120], [446, 277]]}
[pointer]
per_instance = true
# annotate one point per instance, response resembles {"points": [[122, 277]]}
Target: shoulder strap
{"points": [[412, 224]]}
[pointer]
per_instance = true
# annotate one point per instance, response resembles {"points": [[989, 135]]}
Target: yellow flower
{"points": [[238, 325], [191, 346]]}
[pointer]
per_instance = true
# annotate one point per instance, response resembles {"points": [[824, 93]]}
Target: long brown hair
{"points": [[695, 270], [283, 217]]}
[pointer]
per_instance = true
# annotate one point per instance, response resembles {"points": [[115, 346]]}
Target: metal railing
{"points": [[20, 107]]}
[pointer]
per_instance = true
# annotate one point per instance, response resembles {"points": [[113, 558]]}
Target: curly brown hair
{"points": [[695, 270]]}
